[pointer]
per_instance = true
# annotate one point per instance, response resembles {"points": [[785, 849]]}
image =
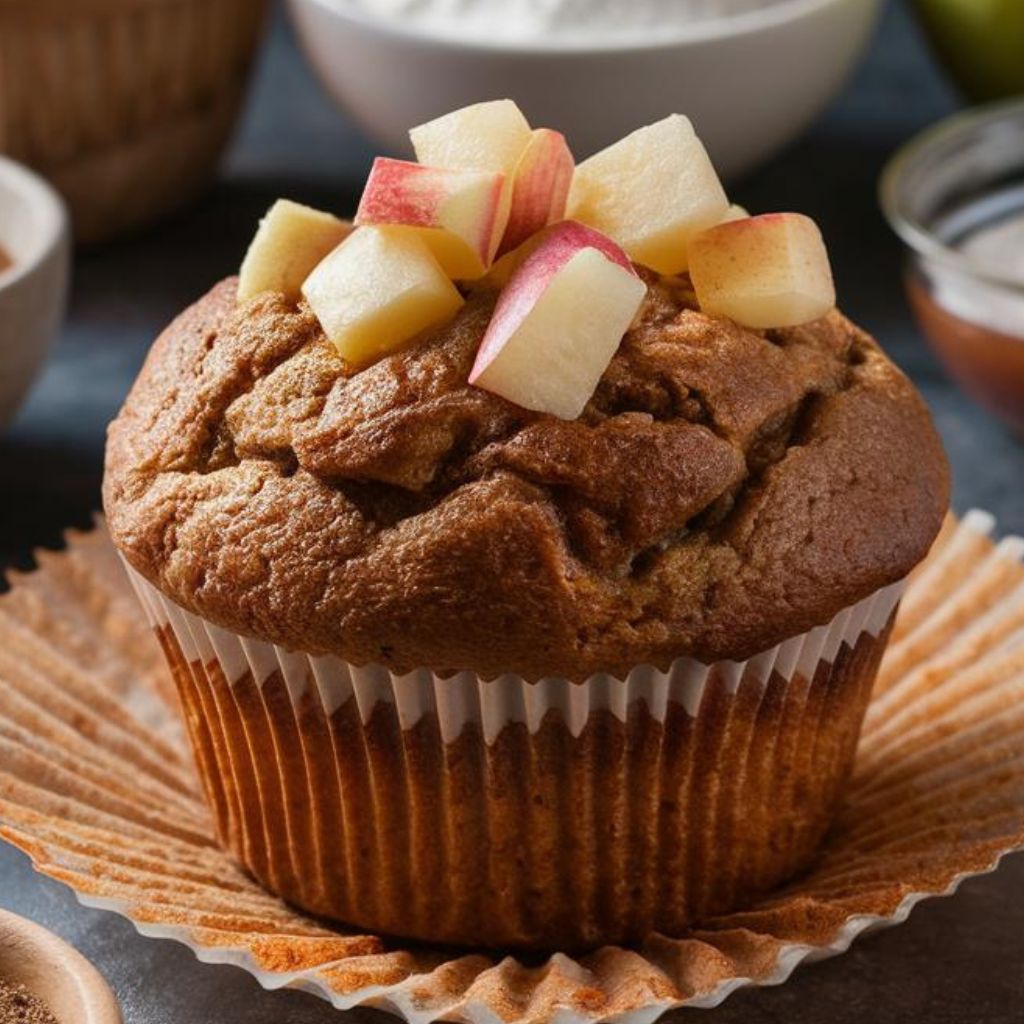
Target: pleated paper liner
{"points": [[523, 814], [97, 787]]}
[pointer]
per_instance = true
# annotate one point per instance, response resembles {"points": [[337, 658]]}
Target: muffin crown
{"points": [[724, 489]]}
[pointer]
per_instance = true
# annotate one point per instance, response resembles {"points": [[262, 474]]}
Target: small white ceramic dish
{"points": [[70, 987], [34, 233], [750, 81]]}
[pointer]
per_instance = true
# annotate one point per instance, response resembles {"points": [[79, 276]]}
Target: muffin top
{"points": [[724, 489]]}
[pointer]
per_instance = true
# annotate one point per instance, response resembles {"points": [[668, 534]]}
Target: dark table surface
{"points": [[957, 961]]}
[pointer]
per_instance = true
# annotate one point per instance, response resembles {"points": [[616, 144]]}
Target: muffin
{"points": [[468, 668]]}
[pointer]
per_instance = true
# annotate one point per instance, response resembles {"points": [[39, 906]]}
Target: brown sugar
{"points": [[19, 1006]]}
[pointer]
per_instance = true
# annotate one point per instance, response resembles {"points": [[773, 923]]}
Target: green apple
{"points": [[981, 42]]}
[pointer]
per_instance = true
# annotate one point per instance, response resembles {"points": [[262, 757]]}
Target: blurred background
{"points": [[169, 135]]}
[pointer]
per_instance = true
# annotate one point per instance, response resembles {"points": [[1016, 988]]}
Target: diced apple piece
{"points": [[290, 241], [482, 137], [559, 321], [766, 271], [540, 187], [735, 212], [651, 192], [375, 291], [506, 265], [461, 215]]}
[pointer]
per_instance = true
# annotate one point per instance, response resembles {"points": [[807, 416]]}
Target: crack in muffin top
{"points": [[723, 490]]}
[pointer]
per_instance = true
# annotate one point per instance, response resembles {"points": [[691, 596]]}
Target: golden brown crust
{"points": [[723, 490]]}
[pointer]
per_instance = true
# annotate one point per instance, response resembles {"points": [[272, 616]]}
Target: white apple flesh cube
{"points": [[377, 290], [762, 272], [651, 192], [540, 187], [482, 137], [461, 215], [290, 241], [559, 321]]}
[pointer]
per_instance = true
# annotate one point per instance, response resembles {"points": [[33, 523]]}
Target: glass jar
{"points": [[955, 195]]}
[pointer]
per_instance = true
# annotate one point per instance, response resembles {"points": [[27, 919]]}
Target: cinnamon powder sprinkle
{"points": [[5, 260], [19, 1006]]}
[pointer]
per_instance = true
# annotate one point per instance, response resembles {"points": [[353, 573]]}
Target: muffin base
{"points": [[539, 839], [936, 797]]}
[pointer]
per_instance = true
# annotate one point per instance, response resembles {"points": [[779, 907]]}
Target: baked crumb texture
{"points": [[723, 490]]}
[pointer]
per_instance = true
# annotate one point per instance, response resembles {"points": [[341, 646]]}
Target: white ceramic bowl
{"points": [[751, 82], [34, 233]]}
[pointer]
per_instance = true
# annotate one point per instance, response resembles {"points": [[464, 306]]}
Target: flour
{"points": [[563, 20], [999, 247]]}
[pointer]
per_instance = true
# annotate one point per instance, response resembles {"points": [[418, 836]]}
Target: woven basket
{"points": [[125, 105]]}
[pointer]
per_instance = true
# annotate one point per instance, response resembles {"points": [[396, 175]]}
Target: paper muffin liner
{"points": [[97, 788], [513, 813], [125, 105]]}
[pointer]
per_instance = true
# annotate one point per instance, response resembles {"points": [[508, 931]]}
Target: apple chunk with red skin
{"points": [[735, 212], [559, 321], [540, 187], [460, 214], [763, 272]]}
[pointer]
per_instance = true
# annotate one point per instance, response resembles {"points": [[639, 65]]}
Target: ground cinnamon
{"points": [[19, 1006], [5, 260]]}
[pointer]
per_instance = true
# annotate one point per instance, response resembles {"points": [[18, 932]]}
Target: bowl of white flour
{"points": [[751, 74]]}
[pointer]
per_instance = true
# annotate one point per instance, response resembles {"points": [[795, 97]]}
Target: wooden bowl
{"points": [[60, 976], [125, 105]]}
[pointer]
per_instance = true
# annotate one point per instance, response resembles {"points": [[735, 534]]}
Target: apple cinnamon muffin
{"points": [[537, 607]]}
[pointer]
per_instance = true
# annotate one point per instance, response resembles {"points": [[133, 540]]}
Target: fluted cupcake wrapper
{"points": [[463, 698], [503, 811], [96, 787]]}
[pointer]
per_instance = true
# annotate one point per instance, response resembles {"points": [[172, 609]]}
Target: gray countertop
{"points": [[956, 961]]}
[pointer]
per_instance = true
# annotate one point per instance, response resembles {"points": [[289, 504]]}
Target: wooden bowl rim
{"points": [[50, 968]]}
